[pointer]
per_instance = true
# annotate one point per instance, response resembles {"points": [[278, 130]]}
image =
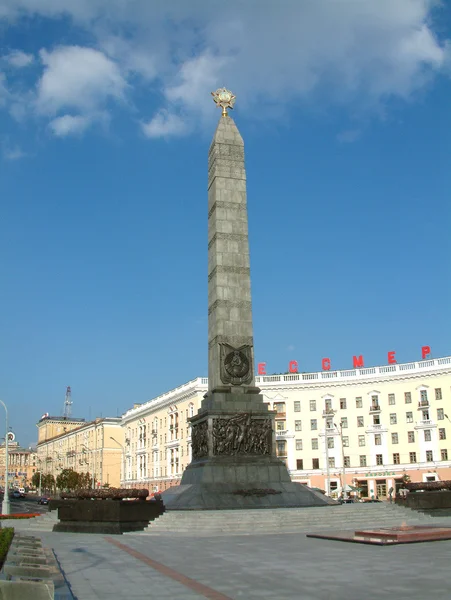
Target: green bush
{"points": [[6, 536]]}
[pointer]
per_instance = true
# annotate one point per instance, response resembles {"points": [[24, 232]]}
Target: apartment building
{"points": [[369, 427], [95, 447]]}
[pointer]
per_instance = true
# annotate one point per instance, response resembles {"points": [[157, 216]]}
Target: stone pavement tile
{"points": [[260, 567], [291, 566]]}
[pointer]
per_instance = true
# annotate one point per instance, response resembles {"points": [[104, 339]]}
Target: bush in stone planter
{"points": [[428, 486], [106, 494]]}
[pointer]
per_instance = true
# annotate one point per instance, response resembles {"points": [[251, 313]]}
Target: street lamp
{"points": [[123, 454], [5, 503], [327, 414], [340, 433]]}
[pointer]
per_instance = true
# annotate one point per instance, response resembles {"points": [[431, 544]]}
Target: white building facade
{"points": [[370, 428]]}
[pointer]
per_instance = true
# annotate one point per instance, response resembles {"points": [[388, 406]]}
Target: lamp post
{"points": [[327, 414], [123, 455], [343, 487], [5, 503]]}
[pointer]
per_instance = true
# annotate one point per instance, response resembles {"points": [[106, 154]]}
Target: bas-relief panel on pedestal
{"points": [[239, 434]]}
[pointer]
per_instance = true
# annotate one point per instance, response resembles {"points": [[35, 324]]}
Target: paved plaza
{"points": [[280, 566]]}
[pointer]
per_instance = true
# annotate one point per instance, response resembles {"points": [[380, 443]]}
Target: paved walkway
{"points": [[248, 567]]}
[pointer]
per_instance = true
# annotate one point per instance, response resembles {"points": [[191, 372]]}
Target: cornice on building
{"points": [[302, 381], [95, 423]]}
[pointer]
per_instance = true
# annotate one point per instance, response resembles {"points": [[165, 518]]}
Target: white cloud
{"points": [[164, 124], [18, 59], [357, 53], [77, 77], [69, 125], [349, 135], [14, 153]]}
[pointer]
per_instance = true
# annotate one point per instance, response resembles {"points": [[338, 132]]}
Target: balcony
{"points": [[281, 415], [375, 408], [423, 404], [281, 434]]}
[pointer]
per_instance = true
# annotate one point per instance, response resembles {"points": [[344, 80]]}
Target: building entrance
{"points": [[381, 488]]}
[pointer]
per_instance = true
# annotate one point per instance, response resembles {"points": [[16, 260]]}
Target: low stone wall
{"points": [[106, 516], [426, 500]]}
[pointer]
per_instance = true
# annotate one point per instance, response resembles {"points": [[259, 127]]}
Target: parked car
{"points": [[16, 494], [43, 500]]}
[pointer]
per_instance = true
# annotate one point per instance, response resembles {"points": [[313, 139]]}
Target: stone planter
{"points": [[106, 516]]}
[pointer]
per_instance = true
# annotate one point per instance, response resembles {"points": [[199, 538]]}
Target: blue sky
{"points": [[106, 118]]}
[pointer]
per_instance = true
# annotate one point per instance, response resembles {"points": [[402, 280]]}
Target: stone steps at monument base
{"points": [[285, 520]]}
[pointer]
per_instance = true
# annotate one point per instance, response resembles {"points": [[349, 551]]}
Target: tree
{"points": [[35, 479], [68, 480]]}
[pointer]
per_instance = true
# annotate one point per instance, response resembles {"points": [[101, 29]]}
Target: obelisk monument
{"points": [[234, 462]]}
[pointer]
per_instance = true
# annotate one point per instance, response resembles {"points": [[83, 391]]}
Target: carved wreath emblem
{"points": [[236, 364]]}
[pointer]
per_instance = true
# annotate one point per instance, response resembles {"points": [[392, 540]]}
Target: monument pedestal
{"points": [[234, 460]]}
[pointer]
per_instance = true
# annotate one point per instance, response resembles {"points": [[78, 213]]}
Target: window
{"points": [[362, 460], [344, 422], [330, 442], [444, 454], [332, 462], [440, 414], [345, 441], [375, 402], [393, 419], [297, 406], [281, 448], [298, 425], [299, 464], [423, 395], [429, 456], [438, 393], [359, 421], [411, 437], [279, 407], [379, 460], [361, 440], [427, 435], [378, 439], [329, 423], [328, 404], [280, 425], [359, 402], [376, 420], [347, 462], [314, 443], [312, 405], [407, 397], [442, 433], [298, 444], [315, 463], [343, 403], [313, 424], [394, 438], [396, 460], [391, 399], [413, 457], [409, 417]]}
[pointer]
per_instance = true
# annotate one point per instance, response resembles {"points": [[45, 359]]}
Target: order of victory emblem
{"points": [[224, 99], [235, 364]]}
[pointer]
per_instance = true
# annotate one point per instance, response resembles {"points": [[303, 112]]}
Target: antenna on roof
{"points": [[68, 403]]}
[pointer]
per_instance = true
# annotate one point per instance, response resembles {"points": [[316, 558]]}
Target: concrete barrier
{"points": [[24, 590]]}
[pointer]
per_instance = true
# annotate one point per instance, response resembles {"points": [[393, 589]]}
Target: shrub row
{"points": [[6, 536]]}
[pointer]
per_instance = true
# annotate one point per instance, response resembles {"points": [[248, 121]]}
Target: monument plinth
{"points": [[234, 462]]}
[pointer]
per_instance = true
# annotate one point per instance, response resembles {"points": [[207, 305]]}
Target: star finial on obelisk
{"points": [[224, 99]]}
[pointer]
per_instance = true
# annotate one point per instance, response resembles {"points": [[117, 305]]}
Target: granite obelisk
{"points": [[234, 462]]}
